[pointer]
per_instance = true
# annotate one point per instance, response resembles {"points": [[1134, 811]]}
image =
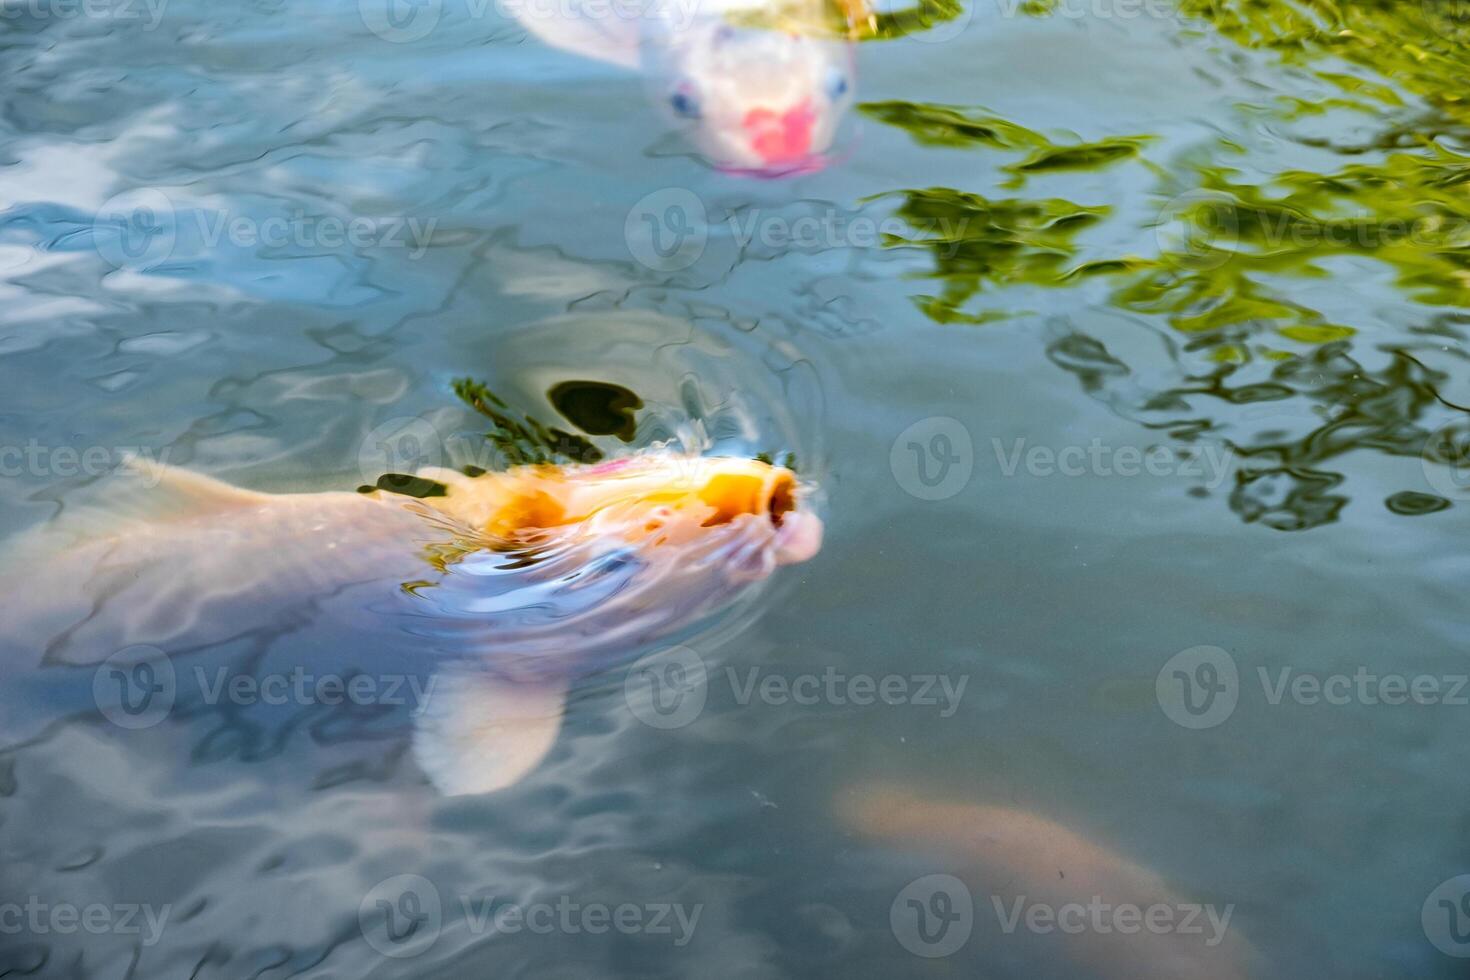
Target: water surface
{"points": [[1232, 234]]}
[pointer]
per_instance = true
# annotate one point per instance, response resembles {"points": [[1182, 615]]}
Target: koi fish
{"points": [[1017, 856], [760, 85], [518, 582]]}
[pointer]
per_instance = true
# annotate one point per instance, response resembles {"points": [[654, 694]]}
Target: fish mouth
{"points": [[732, 495], [782, 498]]}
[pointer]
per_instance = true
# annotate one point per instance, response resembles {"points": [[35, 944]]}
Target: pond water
{"points": [[1124, 342]]}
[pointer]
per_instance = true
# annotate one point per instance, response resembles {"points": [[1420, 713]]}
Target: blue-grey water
{"points": [[1058, 443]]}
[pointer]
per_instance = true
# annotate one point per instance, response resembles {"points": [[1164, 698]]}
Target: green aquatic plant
{"points": [[521, 438]]}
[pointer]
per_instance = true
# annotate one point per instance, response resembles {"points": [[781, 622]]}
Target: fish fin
{"points": [[148, 492], [479, 733], [604, 35], [174, 491]]}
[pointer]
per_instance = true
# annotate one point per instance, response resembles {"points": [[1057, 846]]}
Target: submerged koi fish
{"points": [[519, 582], [1014, 856], [761, 85]]}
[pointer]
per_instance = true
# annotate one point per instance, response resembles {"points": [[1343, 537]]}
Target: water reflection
{"points": [[1231, 253]]}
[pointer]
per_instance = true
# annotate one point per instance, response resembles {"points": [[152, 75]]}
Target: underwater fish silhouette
{"points": [[520, 582], [760, 85], [1010, 854]]}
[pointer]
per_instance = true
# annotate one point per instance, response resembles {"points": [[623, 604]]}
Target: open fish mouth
{"points": [[733, 495]]}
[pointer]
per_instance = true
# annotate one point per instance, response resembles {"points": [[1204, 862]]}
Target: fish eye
{"points": [[836, 85], [684, 103]]}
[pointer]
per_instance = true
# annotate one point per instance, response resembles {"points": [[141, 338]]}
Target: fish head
{"points": [[604, 559], [667, 505], [756, 99]]}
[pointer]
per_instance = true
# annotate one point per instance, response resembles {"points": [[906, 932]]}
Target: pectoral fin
{"points": [[479, 733]]}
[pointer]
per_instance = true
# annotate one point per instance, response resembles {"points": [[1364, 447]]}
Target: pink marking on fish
{"points": [[781, 138], [611, 466]]}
